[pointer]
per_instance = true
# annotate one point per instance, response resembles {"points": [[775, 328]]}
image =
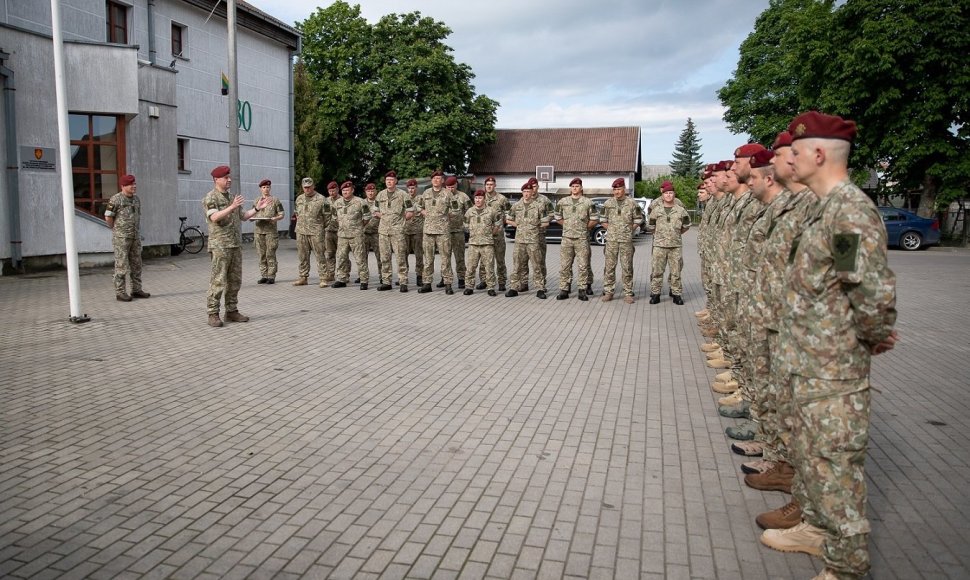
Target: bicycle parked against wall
{"points": [[191, 238]]}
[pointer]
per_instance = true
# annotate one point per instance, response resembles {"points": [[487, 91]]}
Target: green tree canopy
{"points": [[387, 96], [687, 152]]}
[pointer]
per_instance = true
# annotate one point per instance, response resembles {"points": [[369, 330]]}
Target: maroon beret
{"points": [[782, 140], [438, 173], [221, 171], [533, 181], [526, 186], [126, 180], [451, 180], [391, 173], [489, 178], [333, 185], [821, 126], [666, 186], [413, 182], [619, 182], [748, 150], [710, 167], [479, 193], [762, 158], [370, 187], [725, 165], [265, 182], [346, 184], [576, 181]]}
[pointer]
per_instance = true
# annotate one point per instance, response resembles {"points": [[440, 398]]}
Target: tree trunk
{"points": [[927, 201]]}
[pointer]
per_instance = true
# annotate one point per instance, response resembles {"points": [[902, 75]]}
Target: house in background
{"points": [[597, 155]]}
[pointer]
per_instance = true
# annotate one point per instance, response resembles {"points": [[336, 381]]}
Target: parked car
{"points": [[908, 230]]}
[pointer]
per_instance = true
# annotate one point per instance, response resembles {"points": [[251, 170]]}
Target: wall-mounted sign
{"points": [[38, 158], [245, 112]]}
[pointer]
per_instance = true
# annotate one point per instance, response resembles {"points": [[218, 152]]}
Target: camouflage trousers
{"points": [[413, 245], [458, 253], [396, 244], [523, 255], [574, 250], [705, 278], [542, 252], [266, 246], [662, 259], [225, 279], [622, 253], [480, 256], [737, 336], [830, 435], [127, 263], [773, 399], [501, 269], [344, 247], [372, 244], [329, 256], [441, 242], [307, 244], [727, 303]]}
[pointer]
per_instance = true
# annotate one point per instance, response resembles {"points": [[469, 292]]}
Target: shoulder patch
{"points": [[845, 250]]}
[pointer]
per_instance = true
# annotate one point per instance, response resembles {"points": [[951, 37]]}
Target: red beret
{"points": [[265, 182], [412, 182], [489, 178], [821, 126], [346, 184], [782, 140], [619, 182], [526, 186], [666, 186], [762, 158], [724, 165], [221, 171], [451, 180], [748, 150], [479, 193], [126, 180], [391, 173], [438, 173], [576, 181], [533, 181], [710, 167], [370, 187]]}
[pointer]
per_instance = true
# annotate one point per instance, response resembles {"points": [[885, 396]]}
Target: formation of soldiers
{"points": [[799, 298]]}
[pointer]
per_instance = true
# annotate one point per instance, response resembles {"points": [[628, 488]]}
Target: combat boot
{"points": [[714, 354], [778, 478], [481, 286], [424, 288], [581, 294], [122, 297], [804, 538], [563, 294], [511, 293], [678, 299], [758, 466], [748, 448], [725, 388], [491, 292], [461, 283], [323, 284], [541, 294], [339, 284], [710, 347], [215, 321], [607, 297], [440, 284], [468, 292], [363, 286], [708, 332], [383, 287], [655, 299], [404, 287], [743, 431], [501, 287], [301, 281], [589, 289], [739, 411], [701, 313], [731, 400], [724, 377], [234, 316], [628, 299], [140, 294], [448, 290], [719, 363], [418, 281], [787, 516]]}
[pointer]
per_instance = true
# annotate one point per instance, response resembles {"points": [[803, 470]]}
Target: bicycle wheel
{"points": [[192, 240]]}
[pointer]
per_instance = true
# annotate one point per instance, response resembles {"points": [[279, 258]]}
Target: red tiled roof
{"points": [[582, 150]]}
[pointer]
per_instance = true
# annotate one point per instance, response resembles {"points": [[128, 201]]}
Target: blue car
{"points": [[908, 230]]}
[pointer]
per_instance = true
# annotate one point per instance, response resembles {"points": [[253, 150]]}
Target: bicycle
{"points": [[191, 238]]}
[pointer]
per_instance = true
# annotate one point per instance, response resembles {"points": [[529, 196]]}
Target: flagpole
{"points": [[233, 96]]}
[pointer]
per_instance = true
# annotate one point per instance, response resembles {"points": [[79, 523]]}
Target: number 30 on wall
{"points": [[245, 112]]}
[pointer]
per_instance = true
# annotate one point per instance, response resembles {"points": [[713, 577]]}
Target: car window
{"points": [[892, 216]]}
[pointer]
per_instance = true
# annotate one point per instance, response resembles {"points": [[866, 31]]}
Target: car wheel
{"points": [[599, 237], [910, 241]]}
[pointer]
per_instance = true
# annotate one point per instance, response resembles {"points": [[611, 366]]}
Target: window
{"points": [[97, 159], [183, 154], [178, 39], [117, 18]]}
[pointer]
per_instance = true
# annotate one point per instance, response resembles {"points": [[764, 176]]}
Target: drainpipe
{"points": [[292, 123], [13, 176], [151, 31]]}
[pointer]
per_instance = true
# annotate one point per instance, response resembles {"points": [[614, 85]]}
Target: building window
{"points": [[97, 159], [178, 39], [183, 154], [117, 22]]}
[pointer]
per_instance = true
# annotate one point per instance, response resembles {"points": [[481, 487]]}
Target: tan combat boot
{"points": [[215, 321], [324, 284], [234, 316], [732, 400], [710, 347], [708, 332], [804, 538], [702, 313], [725, 388], [787, 516], [724, 377], [714, 354], [301, 281], [778, 478], [719, 363]]}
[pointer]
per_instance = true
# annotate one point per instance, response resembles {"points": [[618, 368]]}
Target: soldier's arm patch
{"points": [[845, 251]]}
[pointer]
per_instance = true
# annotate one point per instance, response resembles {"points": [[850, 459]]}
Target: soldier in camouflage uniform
{"points": [[550, 210], [669, 222], [841, 311], [456, 227], [313, 215], [578, 215], [123, 215], [413, 236], [330, 237], [483, 224], [621, 216], [352, 214], [501, 205], [266, 236], [372, 242], [223, 214], [436, 206], [393, 207], [530, 220]]}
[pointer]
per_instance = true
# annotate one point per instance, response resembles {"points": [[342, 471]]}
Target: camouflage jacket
{"points": [[456, 221], [499, 203], [313, 214], [621, 217], [481, 224], [332, 224], [711, 213], [530, 220], [225, 233], [126, 212], [414, 225], [438, 205], [841, 295], [274, 209], [720, 242], [667, 223], [393, 206], [751, 209], [575, 215], [352, 216]]}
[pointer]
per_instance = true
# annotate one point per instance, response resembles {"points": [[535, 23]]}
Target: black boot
{"points": [[424, 288], [383, 287], [404, 287], [563, 294], [491, 292], [461, 283], [468, 291], [678, 300], [448, 290], [655, 299], [481, 286], [541, 294], [418, 281], [511, 293], [440, 284], [581, 294]]}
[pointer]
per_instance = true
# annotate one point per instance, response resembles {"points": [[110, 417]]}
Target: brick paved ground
{"points": [[351, 434]]}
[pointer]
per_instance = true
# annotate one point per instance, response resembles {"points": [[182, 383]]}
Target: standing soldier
{"points": [[265, 233], [550, 211], [530, 220], [393, 208], [621, 216], [223, 214], [436, 206], [413, 234], [330, 237], [352, 214], [483, 224], [577, 215], [456, 227], [841, 311], [372, 241], [669, 223], [123, 215], [501, 205], [313, 213]]}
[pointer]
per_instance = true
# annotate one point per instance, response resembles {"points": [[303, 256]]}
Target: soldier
{"points": [[372, 242], [530, 220], [456, 227], [413, 234], [352, 214], [549, 209], [330, 237], [621, 216], [436, 207], [266, 234], [577, 214], [841, 310], [483, 224], [223, 214], [501, 205], [313, 214], [394, 208], [123, 215], [669, 223]]}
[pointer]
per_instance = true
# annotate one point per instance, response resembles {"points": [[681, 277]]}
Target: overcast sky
{"points": [[590, 63]]}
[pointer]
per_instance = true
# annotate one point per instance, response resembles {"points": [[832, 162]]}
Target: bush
{"points": [[684, 187]]}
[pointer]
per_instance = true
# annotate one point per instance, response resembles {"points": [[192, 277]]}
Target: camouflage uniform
{"points": [[530, 220], [330, 245], [352, 217], [439, 206], [393, 206], [225, 239], [668, 246], [621, 217], [126, 240], [266, 236], [718, 245], [747, 210], [456, 225], [575, 215], [313, 214], [500, 204], [702, 249], [549, 211], [842, 298], [372, 242], [413, 236], [481, 223]]}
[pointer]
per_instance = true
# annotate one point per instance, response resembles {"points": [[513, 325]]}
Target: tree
{"points": [[687, 152], [306, 149], [389, 95], [685, 188]]}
